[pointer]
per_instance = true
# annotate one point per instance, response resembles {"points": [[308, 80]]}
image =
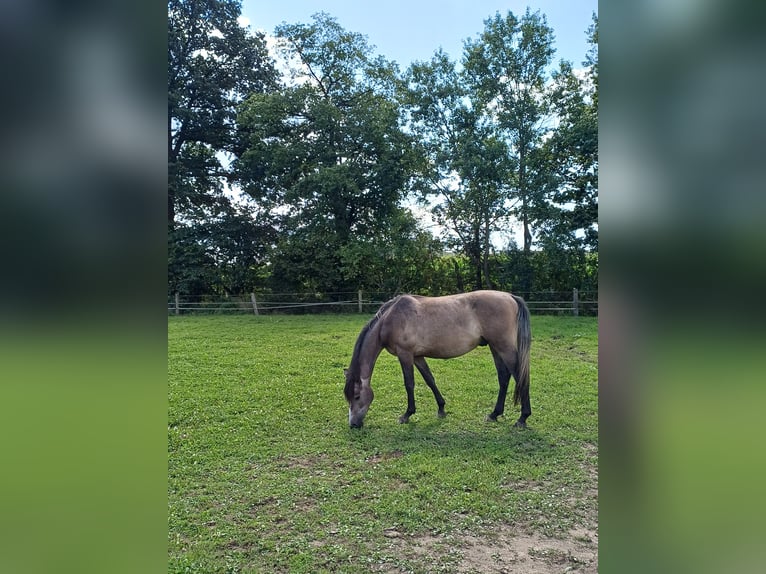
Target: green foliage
{"points": [[403, 263], [326, 159], [516, 271], [507, 70], [465, 162], [573, 147], [264, 474], [213, 62], [221, 254], [481, 131], [327, 153]]}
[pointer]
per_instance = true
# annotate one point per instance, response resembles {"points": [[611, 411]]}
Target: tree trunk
{"points": [[458, 276], [485, 255], [475, 255], [477, 280], [523, 193], [527, 233]]}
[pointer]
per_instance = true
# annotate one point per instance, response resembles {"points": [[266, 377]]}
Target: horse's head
{"points": [[359, 396]]}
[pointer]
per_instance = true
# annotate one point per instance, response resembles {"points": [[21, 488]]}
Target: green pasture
{"points": [[264, 474]]}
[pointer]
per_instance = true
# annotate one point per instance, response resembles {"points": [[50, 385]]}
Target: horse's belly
{"points": [[449, 349], [436, 339]]}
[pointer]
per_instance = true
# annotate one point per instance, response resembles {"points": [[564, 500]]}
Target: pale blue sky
{"points": [[410, 30]]}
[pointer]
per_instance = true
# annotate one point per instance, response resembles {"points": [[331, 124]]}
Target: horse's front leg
{"points": [[409, 385], [422, 366]]}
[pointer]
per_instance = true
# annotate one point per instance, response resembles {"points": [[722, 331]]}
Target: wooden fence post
{"points": [[178, 311], [359, 294], [255, 305], [575, 303]]}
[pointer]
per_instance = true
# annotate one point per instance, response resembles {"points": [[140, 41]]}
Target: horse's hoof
{"points": [[441, 414], [520, 425], [490, 418], [403, 420]]}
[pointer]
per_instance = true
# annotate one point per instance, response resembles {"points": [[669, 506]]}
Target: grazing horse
{"points": [[414, 327]]}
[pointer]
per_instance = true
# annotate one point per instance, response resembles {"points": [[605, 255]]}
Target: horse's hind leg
{"points": [[422, 366], [409, 386], [526, 409], [504, 368]]}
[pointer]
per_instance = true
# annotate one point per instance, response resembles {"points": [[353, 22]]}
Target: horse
{"points": [[413, 327]]}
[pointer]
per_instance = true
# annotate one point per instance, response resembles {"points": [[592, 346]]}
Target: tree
{"points": [[566, 211], [402, 263], [325, 153], [507, 70], [212, 63], [482, 130], [223, 254], [464, 162], [573, 150]]}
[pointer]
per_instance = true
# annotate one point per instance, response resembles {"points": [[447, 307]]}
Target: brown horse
{"points": [[414, 327]]}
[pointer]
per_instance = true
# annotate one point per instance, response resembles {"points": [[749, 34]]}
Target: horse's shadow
{"points": [[431, 438]]}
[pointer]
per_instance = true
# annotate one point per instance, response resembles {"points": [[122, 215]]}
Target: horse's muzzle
{"points": [[355, 425]]}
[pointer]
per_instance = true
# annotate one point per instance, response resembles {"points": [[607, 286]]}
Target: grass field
{"points": [[264, 474]]}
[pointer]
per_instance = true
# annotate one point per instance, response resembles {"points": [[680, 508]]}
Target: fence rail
{"points": [[541, 302]]}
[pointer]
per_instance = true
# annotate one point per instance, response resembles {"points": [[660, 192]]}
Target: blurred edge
{"points": [[83, 288], [682, 212], [83, 333]]}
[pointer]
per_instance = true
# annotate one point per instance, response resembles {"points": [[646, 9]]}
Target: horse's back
{"points": [[449, 326]]}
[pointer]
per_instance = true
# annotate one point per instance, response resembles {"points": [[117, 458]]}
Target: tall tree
{"points": [[464, 162], [326, 153], [507, 69], [566, 212], [213, 62], [574, 149]]}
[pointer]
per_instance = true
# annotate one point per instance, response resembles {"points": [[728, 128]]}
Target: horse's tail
{"points": [[523, 343]]}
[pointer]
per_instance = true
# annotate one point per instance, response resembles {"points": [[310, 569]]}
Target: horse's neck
{"points": [[369, 352]]}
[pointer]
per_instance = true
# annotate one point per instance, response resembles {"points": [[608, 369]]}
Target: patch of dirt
{"points": [[508, 551], [239, 546], [517, 549], [524, 485], [305, 504], [303, 462], [380, 457]]}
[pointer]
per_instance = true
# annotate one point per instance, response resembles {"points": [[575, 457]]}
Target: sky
{"points": [[410, 30]]}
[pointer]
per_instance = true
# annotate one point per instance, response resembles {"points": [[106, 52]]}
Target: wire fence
{"points": [[572, 302]]}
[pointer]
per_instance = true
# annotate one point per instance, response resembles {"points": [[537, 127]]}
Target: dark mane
{"points": [[353, 369]]}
